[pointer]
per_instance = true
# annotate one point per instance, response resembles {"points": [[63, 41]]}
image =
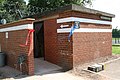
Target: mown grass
{"points": [[113, 38], [116, 49], [116, 38]]}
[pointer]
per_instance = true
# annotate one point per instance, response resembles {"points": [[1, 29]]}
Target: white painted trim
{"points": [[20, 27], [67, 30], [30, 26], [64, 30], [92, 30], [71, 19]]}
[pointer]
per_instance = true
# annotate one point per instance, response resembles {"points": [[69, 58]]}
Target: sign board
{"points": [[6, 34], [77, 24], [105, 18]]}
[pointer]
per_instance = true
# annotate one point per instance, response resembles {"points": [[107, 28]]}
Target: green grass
{"points": [[116, 38], [113, 38], [116, 49]]}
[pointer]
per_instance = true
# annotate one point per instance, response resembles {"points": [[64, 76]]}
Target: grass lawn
{"points": [[116, 49], [114, 38]]}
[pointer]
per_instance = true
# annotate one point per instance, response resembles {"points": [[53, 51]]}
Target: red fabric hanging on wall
{"points": [[28, 38]]}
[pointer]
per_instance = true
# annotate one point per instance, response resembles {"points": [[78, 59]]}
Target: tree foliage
{"points": [[45, 5], [12, 10], [115, 33]]}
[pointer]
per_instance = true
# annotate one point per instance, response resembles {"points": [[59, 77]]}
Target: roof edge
{"points": [[19, 22], [92, 11]]}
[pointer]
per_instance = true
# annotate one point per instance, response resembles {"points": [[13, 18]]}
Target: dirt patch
{"points": [[81, 69], [8, 73], [78, 73]]}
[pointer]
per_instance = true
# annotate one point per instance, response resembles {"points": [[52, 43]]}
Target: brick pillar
{"points": [[31, 58]]}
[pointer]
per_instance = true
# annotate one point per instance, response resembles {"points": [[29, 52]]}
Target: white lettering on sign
{"points": [[105, 18], [62, 26]]}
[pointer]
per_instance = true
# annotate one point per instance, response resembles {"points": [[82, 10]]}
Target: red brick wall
{"points": [[57, 48], [89, 46], [11, 47], [97, 26], [87, 15], [11, 44], [65, 14], [80, 15], [65, 50], [86, 46], [50, 40]]}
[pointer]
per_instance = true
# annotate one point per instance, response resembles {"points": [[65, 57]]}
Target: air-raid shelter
{"points": [[67, 36]]}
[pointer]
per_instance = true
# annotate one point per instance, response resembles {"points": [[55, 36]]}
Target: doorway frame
{"points": [[43, 39]]}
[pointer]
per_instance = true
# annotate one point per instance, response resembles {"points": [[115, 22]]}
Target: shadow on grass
{"points": [[117, 45]]}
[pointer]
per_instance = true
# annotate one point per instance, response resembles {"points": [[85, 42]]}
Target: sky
{"points": [[26, 1], [109, 6]]}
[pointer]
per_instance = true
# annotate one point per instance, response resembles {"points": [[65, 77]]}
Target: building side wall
{"points": [[86, 45], [50, 41], [11, 46], [57, 48], [89, 46], [95, 26], [65, 50]]}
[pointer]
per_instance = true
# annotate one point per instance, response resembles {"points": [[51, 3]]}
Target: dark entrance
{"points": [[39, 39]]}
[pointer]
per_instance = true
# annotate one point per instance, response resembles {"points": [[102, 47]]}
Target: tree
{"points": [[116, 34], [43, 5], [12, 10]]}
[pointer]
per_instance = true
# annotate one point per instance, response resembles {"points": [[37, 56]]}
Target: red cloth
{"points": [[28, 38]]}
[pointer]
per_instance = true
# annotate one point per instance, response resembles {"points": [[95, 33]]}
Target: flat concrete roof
{"points": [[72, 7]]}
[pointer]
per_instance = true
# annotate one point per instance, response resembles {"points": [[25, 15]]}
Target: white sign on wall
{"points": [[6, 34]]}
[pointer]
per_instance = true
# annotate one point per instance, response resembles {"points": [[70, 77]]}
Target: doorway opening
{"points": [[39, 40]]}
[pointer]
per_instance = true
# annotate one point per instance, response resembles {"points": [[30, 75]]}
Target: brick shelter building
{"points": [[50, 39]]}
